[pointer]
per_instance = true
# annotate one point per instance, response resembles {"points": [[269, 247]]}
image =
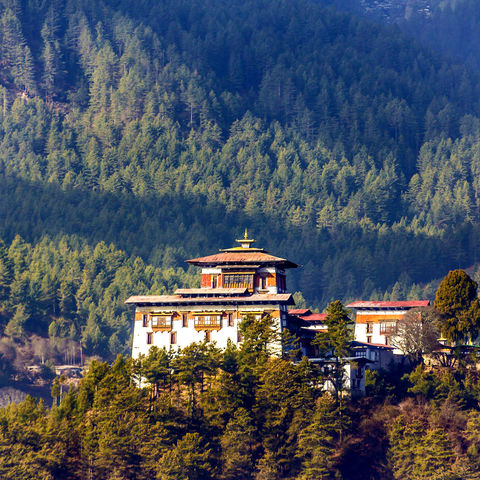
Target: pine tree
{"points": [[317, 443], [456, 299], [335, 344], [239, 446]]}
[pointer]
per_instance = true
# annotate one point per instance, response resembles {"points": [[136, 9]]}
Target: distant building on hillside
{"points": [[376, 322], [236, 282]]}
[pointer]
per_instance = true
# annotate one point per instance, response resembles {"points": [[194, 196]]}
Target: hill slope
{"points": [[167, 127]]}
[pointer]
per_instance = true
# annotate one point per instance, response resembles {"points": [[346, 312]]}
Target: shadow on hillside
{"points": [[336, 264]]}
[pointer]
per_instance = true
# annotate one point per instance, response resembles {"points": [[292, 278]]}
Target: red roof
{"points": [[401, 304], [299, 311], [242, 256], [314, 317], [307, 315]]}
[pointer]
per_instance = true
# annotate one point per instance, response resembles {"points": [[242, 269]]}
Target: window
{"points": [[207, 321], [207, 336], [149, 338], [230, 319], [369, 339], [160, 321], [238, 280], [263, 282], [214, 281], [184, 320], [173, 338], [388, 328], [369, 327], [145, 320]]}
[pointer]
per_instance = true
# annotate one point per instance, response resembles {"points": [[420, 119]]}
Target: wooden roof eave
{"points": [[261, 299]]}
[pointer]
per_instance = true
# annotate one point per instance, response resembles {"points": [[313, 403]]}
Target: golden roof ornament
{"points": [[245, 242]]}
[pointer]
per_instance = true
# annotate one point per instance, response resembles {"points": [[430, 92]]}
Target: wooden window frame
{"points": [[173, 338], [149, 338], [161, 322], [184, 320], [206, 322]]}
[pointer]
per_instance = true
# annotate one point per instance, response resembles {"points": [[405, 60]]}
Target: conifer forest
{"points": [[137, 134]]}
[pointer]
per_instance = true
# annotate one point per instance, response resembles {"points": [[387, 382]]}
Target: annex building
{"points": [[239, 281], [376, 322]]}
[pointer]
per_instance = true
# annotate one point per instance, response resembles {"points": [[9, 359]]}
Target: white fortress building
{"points": [[235, 282]]}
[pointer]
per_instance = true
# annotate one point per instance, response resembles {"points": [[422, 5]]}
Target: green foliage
{"points": [[144, 128], [239, 446], [317, 442], [65, 289], [334, 344], [456, 299], [418, 452], [266, 423]]}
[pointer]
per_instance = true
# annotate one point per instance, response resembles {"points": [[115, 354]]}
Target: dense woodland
{"points": [[164, 128], [146, 124], [137, 134], [242, 414]]}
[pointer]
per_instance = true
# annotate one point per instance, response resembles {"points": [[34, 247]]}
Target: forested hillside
{"points": [[163, 128], [240, 415]]}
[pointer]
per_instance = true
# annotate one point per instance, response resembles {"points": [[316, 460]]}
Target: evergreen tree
{"points": [[456, 299], [335, 345]]}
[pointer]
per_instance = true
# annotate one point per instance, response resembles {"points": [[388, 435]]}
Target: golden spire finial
{"points": [[245, 242]]}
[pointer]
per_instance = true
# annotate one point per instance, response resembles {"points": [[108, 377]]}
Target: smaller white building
{"points": [[376, 322]]}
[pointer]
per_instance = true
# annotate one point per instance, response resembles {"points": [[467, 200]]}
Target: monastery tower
{"points": [[235, 282]]}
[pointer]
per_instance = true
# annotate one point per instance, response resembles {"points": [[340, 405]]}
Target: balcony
{"points": [[161, 324], [208, 322]]}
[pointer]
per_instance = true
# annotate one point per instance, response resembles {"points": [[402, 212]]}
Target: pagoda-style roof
{"points": [[242, 256], [386, 305], [270, 298]]}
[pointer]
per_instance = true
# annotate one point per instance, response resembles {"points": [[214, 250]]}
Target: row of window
{"points": [[245, 280], [166, 321], [237, 280], [385, 327], [363, 354], [173, 337]]}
